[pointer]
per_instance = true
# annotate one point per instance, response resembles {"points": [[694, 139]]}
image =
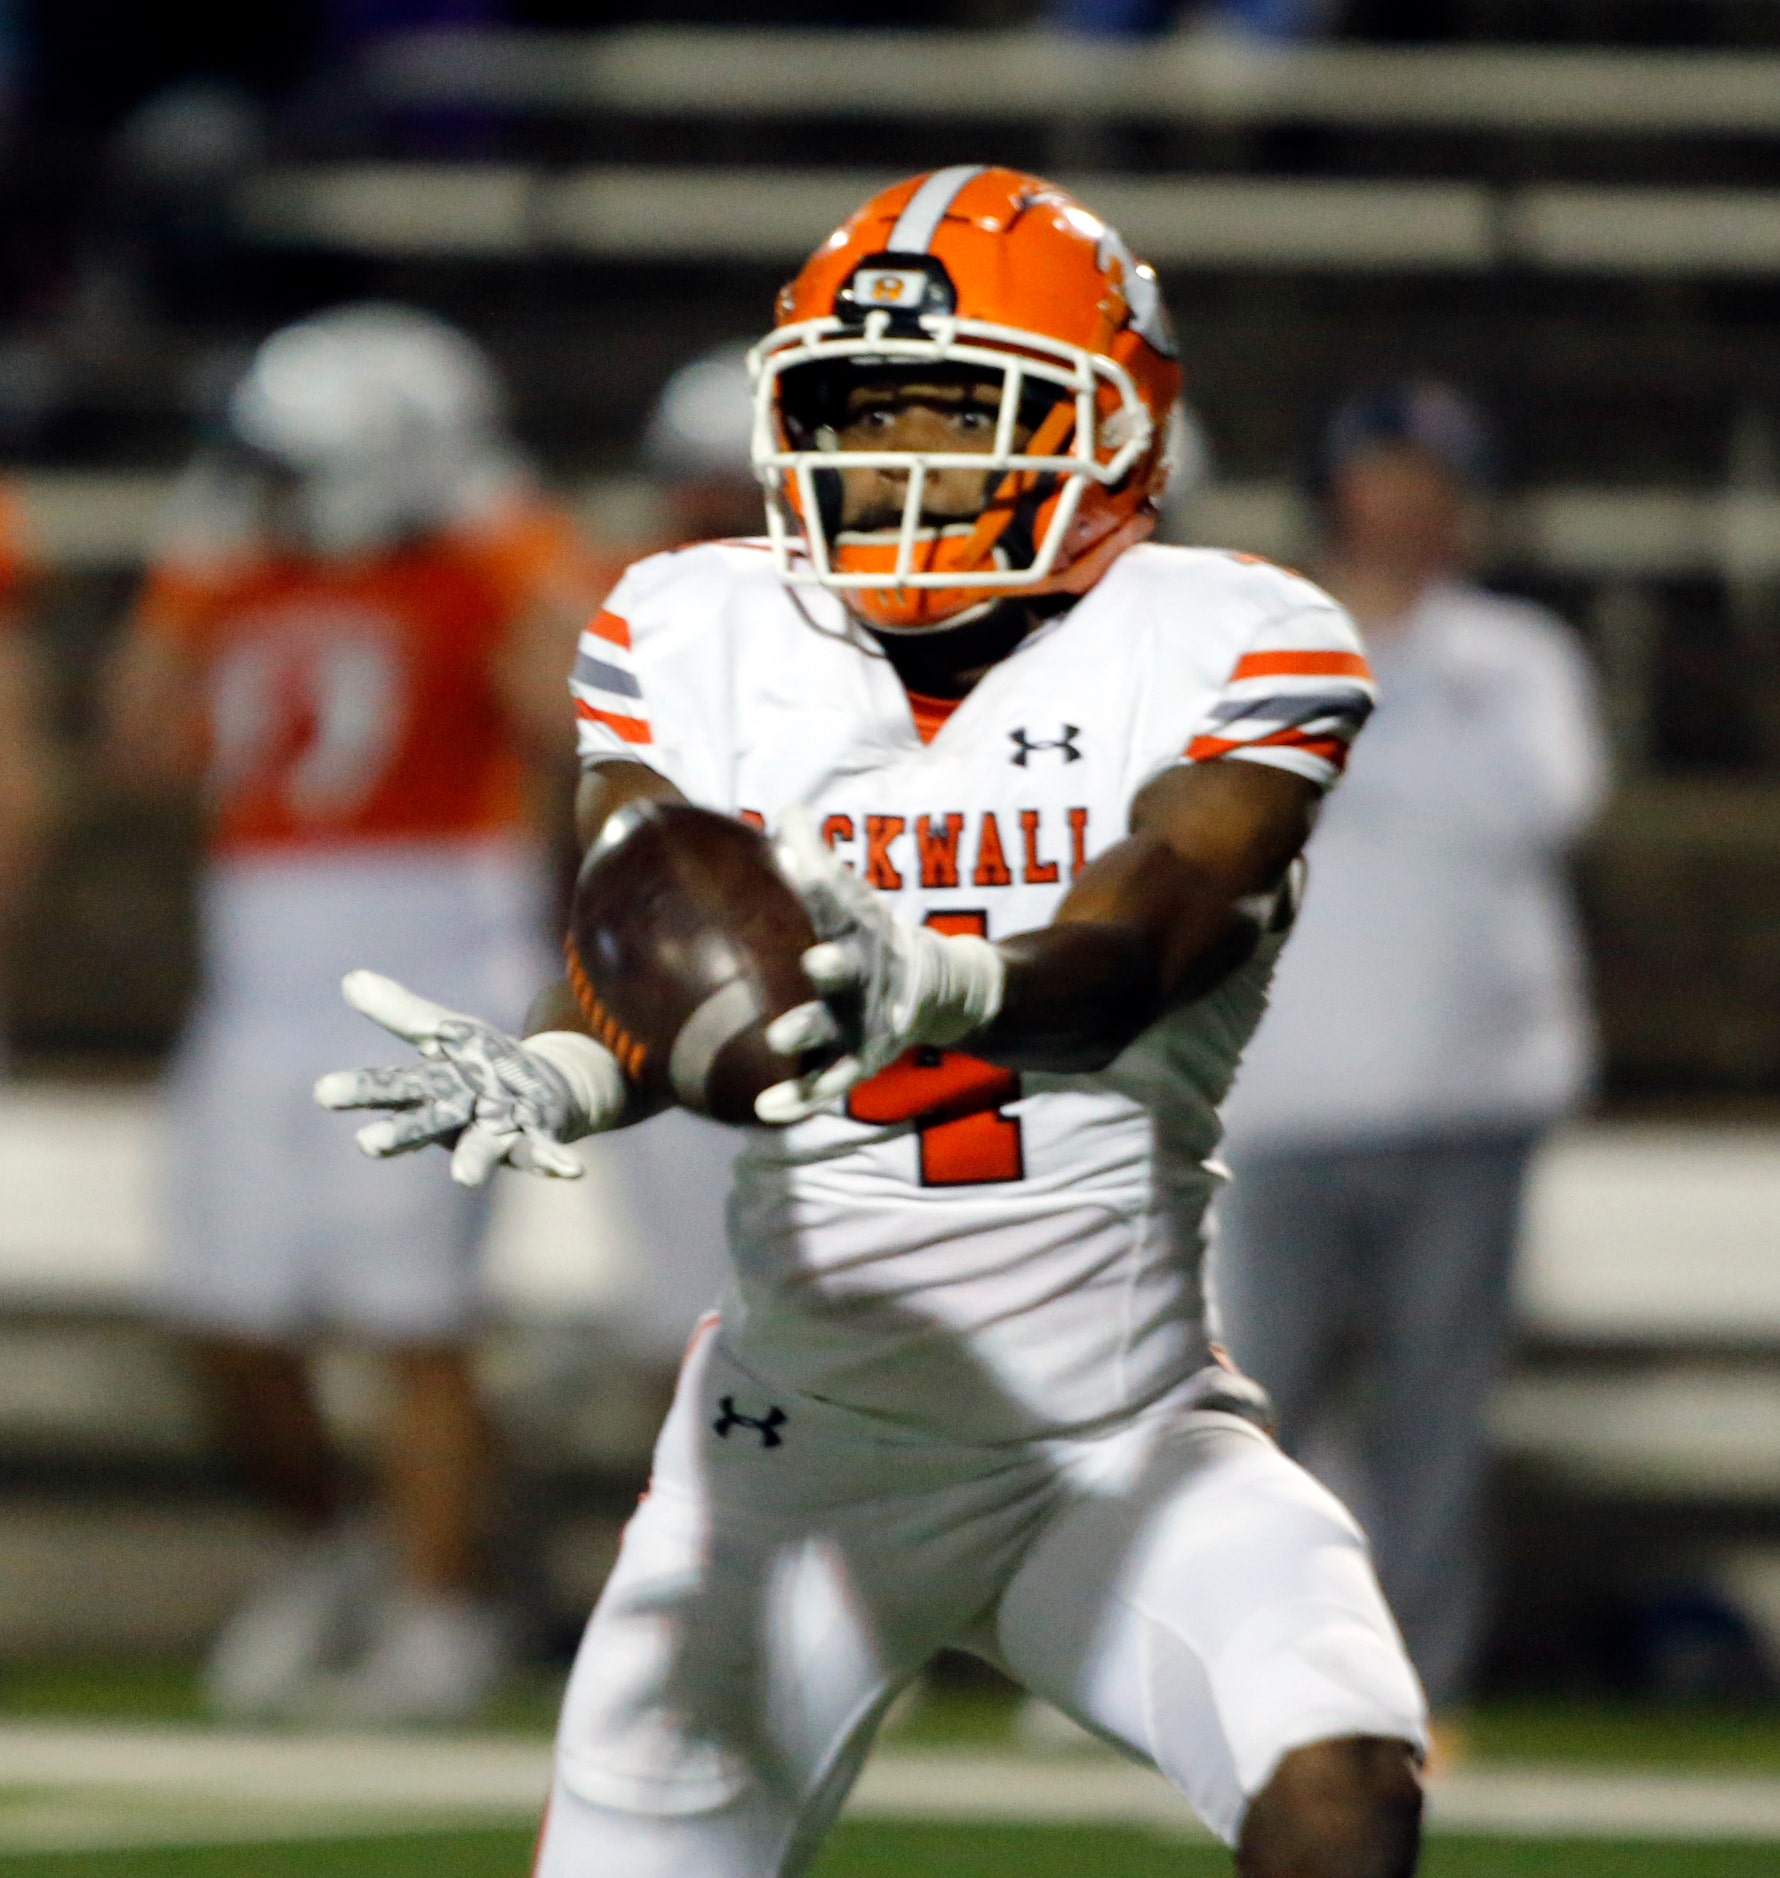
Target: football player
{"points": [[356, 639], [1042, 785]]}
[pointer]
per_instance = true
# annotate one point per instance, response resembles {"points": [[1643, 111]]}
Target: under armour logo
{"points": [[1025, 745], [765, 1426]]}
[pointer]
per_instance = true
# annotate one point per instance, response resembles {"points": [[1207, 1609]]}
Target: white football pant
{"points": [[275, 1224], [1174, 1583]]}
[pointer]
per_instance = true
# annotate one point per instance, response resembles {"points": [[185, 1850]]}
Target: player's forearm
{"points": [[1142, 931], [1161, 918]]}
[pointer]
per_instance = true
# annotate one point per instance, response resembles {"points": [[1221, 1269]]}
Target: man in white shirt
{"points": [[1428, 1023]]}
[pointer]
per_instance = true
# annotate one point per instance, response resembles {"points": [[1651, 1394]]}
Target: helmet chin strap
{"points": [[993, 523]]}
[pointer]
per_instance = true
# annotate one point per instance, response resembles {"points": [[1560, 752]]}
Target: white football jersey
{"points": [[964, 1249]]}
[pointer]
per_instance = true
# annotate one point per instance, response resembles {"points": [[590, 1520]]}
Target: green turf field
{"points": [[896, 1852], [1555, 1732], [178, 1833]]}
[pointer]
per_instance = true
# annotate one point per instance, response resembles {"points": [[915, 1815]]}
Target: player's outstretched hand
{"points": [[885, 985], [487, 1096]]}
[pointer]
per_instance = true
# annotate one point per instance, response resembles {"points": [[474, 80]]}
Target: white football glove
{"points": [[488, 1096], [885, 985]]}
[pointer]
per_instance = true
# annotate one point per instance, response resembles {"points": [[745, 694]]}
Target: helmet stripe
{"points": [[920, 219]]}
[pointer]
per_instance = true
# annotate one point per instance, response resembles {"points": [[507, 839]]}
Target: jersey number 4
{"points": [[964, 1139]]}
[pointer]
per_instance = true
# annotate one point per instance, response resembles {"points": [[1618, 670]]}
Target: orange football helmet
{"points": [[1009, 277]]}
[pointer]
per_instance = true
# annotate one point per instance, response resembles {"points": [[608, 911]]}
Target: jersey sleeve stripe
{"points": [[611, 627], [1310, 764], [1301, 665], [1275, 710], [631, 729], [1330, 746], [602, 675], [607, 692], [1327, 716]]}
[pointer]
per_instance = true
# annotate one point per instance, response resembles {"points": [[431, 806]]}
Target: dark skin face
{"points": [[902, 415], [952, 417]]}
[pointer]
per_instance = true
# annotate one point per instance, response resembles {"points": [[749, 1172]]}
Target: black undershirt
{"points": [[945, 663]]}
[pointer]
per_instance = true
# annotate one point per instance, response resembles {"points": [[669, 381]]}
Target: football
{"points": [[684, 943]]}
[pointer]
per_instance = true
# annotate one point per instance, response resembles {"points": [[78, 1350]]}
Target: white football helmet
{"points": [[703, 422], [387, 419]]}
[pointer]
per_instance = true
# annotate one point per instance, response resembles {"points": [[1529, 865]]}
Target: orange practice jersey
{"points": [[357, 703]]}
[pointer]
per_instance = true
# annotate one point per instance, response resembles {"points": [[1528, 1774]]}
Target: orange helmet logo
{"points": [[1009, 276], [890, 286]]}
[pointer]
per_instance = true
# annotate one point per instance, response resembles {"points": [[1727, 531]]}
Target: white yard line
{"points": [[64, 1787], [1058, 1789], [335, 1772], [1549, 1803], [1509, 1802], [110, 1822]]}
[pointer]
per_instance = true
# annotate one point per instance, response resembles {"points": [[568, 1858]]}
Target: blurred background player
{"points": [[1428, 1023], [696, 450], [27, 763], [356, 637]]}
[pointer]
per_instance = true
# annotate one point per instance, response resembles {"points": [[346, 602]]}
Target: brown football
{"points": [[684, 943]]}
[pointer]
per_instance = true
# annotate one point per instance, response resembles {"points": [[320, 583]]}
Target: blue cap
{"points": [[1425, 412]]}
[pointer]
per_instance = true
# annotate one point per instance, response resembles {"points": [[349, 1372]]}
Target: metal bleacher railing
{"points": [[981, 77], [761, 214], [727, 76], [697, 213]]}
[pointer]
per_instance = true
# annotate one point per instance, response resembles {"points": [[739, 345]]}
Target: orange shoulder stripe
{"points": [[1301, 665], [1332, 750], [609, 625], [631, 729]]}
